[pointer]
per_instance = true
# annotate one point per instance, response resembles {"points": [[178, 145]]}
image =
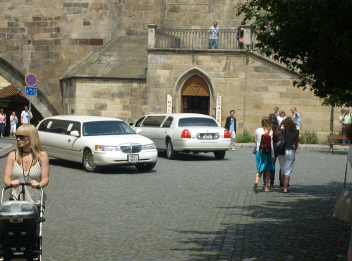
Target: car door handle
{"points": [[69, 140]]}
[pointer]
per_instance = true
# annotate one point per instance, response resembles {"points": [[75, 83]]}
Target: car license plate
{"points": [[133, 158], [207, 136]]}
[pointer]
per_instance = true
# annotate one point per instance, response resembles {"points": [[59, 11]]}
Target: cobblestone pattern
{"points": [[195, 208]]}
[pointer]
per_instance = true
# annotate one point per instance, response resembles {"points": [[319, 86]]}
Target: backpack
{"points": [[265, 143]]}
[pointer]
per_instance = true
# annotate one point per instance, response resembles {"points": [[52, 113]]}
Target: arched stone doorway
{"points": [[195, 96]]}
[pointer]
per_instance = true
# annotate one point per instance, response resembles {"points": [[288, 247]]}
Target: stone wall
{"points": [[122, 99], [249, 84]]}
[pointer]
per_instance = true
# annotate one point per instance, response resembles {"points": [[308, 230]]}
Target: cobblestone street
{"points": [[195, 208]]}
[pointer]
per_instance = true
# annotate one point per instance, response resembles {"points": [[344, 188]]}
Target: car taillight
{"points": [[185, 134], [227, 134]]}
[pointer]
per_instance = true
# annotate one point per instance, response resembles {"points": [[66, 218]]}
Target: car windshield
{"points": [[189, 122], [97, 128]]}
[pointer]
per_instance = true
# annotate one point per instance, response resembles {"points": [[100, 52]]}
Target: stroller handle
{"points": [[21, 184]]}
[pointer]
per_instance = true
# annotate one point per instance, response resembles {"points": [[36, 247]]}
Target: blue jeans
{"points": [[343, 133], [2, 126], [240, 46], [214, 42]]}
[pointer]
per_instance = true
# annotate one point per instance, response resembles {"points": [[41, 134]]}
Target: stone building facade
{"points": [[99, 58]]}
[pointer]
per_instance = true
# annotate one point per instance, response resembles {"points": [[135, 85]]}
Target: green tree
{"points": [[312, 38]]}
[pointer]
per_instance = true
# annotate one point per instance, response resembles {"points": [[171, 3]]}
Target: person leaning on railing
{"points": [[214, 35]]}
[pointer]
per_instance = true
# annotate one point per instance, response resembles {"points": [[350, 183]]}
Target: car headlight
{"points": [[107, 148], [148, 146]]}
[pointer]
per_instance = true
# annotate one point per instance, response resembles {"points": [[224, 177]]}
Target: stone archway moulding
{"points": [[16, 78], [182, 80]]}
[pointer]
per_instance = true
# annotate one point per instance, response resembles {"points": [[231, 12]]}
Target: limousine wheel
{"points": [[219, 154], [145, 166], [170, 153], [88, 161]]}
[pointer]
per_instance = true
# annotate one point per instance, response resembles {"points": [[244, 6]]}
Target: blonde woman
{"points": [[281, 117], [265, 162], [13, 123], [27, 164]]}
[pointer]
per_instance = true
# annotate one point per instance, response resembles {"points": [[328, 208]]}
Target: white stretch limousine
{"points": [[96, 141], [185, 132]]}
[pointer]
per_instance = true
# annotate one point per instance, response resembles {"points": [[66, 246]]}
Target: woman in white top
{"points": [[27, 164], [281, 117], [265, 162], [13, 123]]}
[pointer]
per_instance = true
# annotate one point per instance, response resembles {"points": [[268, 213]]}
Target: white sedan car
{"points": [[185, 132], [96, 141]]}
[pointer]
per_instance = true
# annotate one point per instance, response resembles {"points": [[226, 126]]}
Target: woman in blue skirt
{"points": [[265, 161]]}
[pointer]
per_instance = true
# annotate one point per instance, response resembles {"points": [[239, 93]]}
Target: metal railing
{"points": [[195, 38]]}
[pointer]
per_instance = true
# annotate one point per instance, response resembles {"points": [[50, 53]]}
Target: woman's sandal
{"points": [[255, 187], [285, 192], [266, 190]]}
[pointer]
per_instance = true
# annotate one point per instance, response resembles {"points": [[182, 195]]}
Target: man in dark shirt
{"points": [[240, 34], [230, 125]]}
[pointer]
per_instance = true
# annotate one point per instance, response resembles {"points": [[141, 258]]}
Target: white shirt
{"points": [[258, 137], [213, 32], [13, 120], [26, 116], [280, 119], [297, 119]]}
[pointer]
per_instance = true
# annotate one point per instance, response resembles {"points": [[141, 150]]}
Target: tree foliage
{"points": [[312, 38]]}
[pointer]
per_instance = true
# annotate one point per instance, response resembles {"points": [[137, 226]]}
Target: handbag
{"points": [[343, 206], [255, 149], [280, 146], [241, 40]]}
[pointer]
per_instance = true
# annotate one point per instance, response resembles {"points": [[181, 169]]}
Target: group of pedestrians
{"points": [[275, 129], [26, 116], [214, 35]]}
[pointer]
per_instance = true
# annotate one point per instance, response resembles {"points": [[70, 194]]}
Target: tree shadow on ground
{"points": [[301, 228]]}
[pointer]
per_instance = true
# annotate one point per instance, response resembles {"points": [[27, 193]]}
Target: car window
{"points": [[43, 125], [204, 122], [168, 122], [74, 126], [153, 121], [97, 128], [139, 122], [59, 127]]}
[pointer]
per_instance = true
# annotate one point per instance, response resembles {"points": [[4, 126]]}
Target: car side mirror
{"points": [[75, 133], [131, 124], [139, 131]]}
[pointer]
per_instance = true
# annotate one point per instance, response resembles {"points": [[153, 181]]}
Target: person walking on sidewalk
{"points": [[264, 159], [230, 125], [347, 118], [13, 123], [274, 125], [287, 161], [26, 116], [2, 122]]}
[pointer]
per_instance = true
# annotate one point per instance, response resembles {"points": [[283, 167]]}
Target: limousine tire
{"points": [[88, 161], [145, 166], [219, 154], [170, 153]]}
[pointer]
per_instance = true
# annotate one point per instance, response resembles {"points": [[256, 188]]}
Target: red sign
{"points": [[31, 80]]}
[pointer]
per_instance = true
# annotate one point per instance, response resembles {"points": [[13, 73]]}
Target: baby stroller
{"points": [[21, 228]]}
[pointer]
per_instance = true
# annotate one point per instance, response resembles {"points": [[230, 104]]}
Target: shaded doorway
{"points": [[195, 96]]}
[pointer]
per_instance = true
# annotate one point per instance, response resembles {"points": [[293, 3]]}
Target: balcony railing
{"points": [[194, 38]]}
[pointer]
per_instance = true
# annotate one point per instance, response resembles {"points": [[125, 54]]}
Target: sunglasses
{"points": [[21, 137]]}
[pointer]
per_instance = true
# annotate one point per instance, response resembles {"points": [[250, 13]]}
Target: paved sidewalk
{"points": [[195, 208]]}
